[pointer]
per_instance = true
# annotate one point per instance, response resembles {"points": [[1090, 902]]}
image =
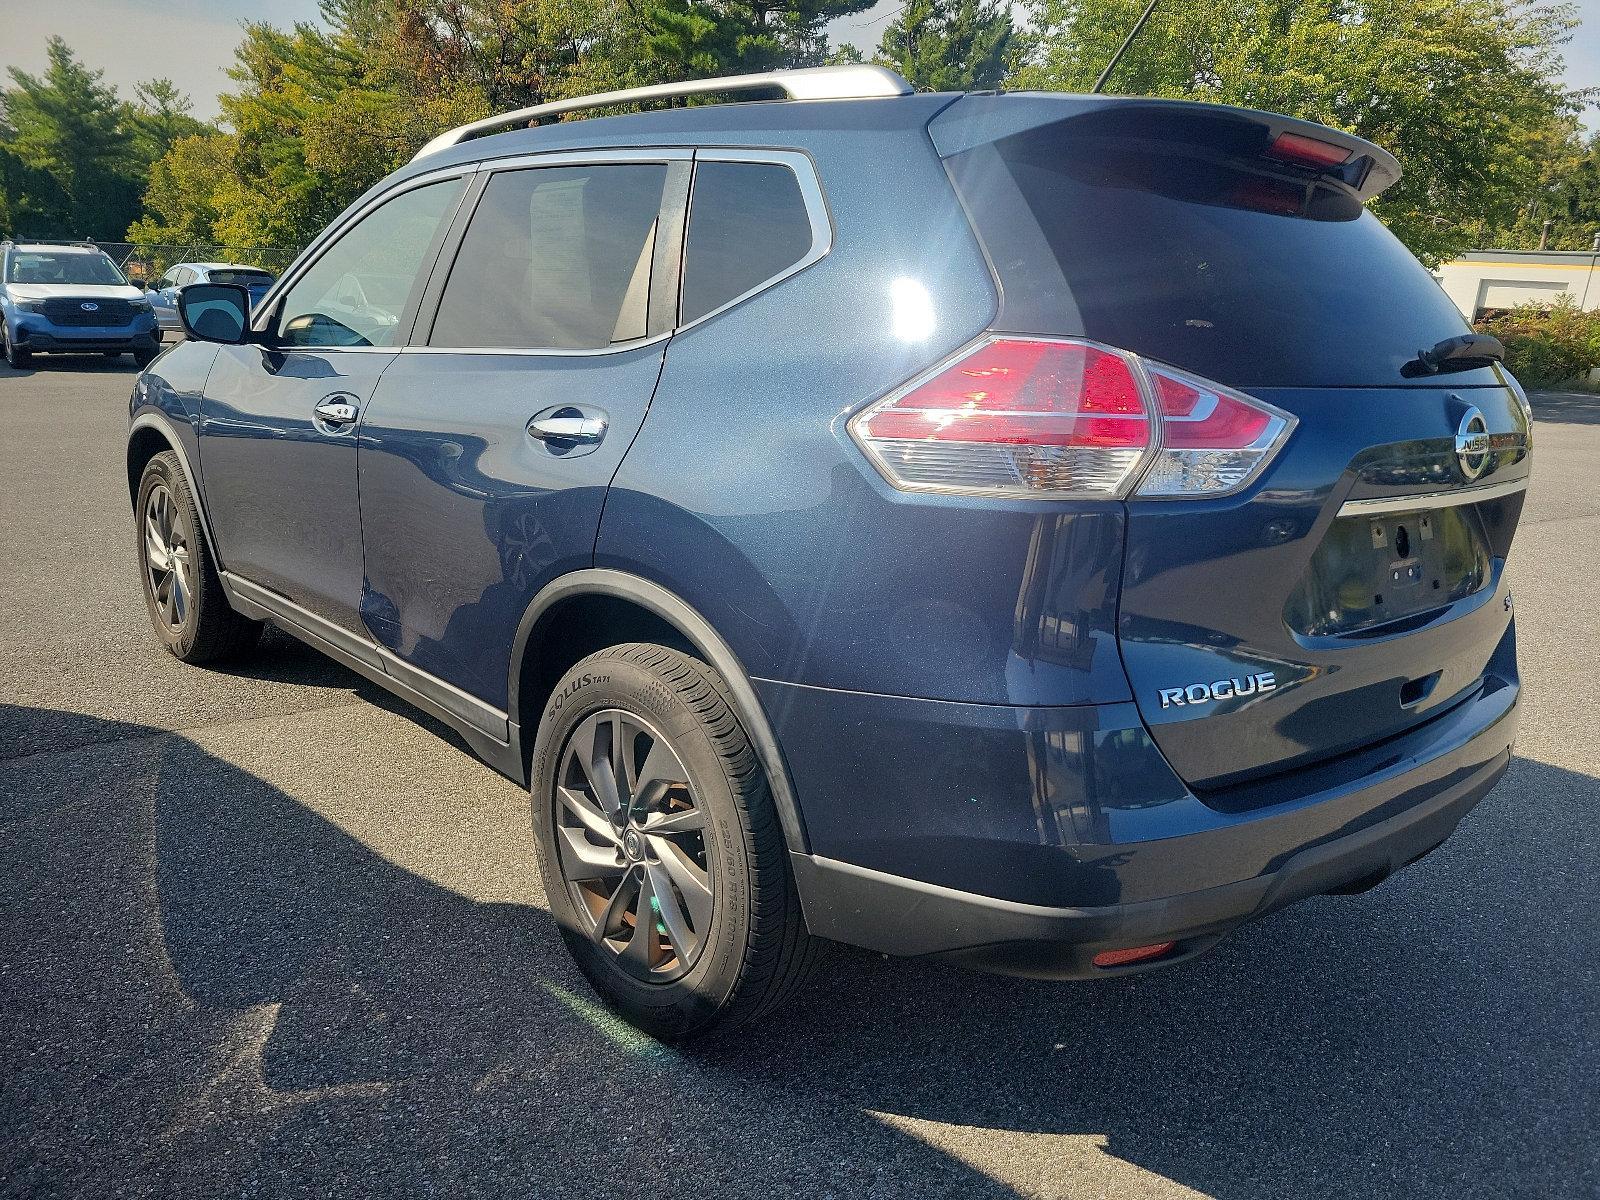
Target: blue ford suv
{"points": [[1040, 531], [70, 298]]}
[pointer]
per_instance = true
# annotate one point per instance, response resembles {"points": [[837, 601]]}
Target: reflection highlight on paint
{"points": [[913, 319]]}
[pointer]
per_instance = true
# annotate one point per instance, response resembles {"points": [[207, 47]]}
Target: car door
{"points": [[488, 447], [279, 420], [164, 298]]}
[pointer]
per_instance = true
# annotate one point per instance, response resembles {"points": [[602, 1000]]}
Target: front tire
{"points": [[183, 593], [16, 358], [663, 860]]}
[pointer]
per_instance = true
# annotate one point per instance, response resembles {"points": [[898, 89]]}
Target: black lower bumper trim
{"points": [[45, 343], [895, 915]]}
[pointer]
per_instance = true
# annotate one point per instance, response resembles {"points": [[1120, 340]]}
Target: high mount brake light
{"points": [[1058, 418], [1308, 151]]}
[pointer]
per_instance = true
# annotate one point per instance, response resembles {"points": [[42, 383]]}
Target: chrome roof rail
{"points": [[848, 82]]}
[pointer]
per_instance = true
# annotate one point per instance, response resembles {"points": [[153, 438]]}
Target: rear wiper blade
{"points": [[1464, 353]]}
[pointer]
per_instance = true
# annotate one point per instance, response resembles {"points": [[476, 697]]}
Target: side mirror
{"points": [[215, 312], [140, 283]]}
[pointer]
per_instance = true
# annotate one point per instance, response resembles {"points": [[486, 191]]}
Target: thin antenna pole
{"points": [[1122, 49]]}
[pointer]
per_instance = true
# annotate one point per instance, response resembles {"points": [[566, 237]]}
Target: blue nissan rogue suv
{"points": [[1041, 531]]}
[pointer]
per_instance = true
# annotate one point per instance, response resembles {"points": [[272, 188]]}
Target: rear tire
{"points": [[693, 819], [188, 609], [143, 358]]}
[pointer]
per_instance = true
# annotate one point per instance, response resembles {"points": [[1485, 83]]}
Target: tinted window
{"points": [[28, 266], [556, 258], [242, 278], [356, 293], [747, 223], [1242, 276]]}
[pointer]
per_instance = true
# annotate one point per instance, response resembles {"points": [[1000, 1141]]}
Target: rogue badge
{"points": [[1220, 689]]}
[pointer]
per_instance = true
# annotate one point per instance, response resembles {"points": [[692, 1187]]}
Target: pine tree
{"points": [[687, 39], [951, 45], [65, 127]]}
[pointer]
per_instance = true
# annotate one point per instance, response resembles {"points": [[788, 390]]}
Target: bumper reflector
{"points": [[1134, 954]]}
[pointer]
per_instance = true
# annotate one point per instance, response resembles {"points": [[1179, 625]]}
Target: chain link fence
{"points": [[148, 261]]}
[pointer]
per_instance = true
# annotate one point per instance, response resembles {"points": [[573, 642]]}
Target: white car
{"points": [[164, 296]]}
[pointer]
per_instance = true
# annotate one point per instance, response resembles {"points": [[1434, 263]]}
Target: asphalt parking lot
{"points": [[268, 932]]}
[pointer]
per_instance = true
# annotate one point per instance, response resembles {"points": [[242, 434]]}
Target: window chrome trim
{"points": [[329, 236], [811, 194], [1421, 501], [613, 348]]}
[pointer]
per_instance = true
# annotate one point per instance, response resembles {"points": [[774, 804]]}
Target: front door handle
{"points": [[336, 411], [568, 424]]}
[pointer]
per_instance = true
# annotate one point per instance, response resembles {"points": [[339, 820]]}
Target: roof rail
{"points": [[82, 243], [849, 82]]}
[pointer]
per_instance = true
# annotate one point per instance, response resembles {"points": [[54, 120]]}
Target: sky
{"points": [[191, 41]]}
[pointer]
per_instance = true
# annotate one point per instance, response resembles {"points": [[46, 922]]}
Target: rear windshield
{"points": [[242, 278], [33, 266], [1241, 275]]}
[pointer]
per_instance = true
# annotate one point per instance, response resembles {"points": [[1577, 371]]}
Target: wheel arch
{"points": [[150, 434], [586, 610]]}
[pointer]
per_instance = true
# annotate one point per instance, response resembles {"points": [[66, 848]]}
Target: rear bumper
{"points": [[902, 916], [1093, 858]]}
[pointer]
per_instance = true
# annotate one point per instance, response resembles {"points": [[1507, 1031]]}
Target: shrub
{"points": [[1548, 345]]}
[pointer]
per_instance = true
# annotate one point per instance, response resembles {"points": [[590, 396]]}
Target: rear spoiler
{"points": [[1289, 145]]}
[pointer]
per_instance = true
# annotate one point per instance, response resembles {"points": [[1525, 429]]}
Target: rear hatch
{"points": [[1353, 589]]}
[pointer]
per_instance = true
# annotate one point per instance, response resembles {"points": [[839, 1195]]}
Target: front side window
{"points": [[357, 292], [29, 266], [556, 258], [747, 224]]}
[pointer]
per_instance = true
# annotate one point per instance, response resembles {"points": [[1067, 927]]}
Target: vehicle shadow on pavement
{"points": [[1567, 408], [212, 987], [78, 364]]}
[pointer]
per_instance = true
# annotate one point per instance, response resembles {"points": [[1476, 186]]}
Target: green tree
{"points": [[1567, 196], [1464, 92], [322, 111], [158, 116], [181, 198], [688, 39], [951, 45], [65, 128]]}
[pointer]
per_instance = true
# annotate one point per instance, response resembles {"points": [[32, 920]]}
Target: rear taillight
{"points": [[1060, 418], [1213, 441]]}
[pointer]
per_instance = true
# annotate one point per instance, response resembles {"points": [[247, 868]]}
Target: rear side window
{"points": [[556, 258], [747, 224], [1187, 257]]}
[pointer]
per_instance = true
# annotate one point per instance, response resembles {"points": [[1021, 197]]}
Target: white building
{"points": [[1485, 279]]}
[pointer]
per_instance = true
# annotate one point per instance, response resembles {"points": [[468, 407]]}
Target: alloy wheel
{"points": [[168, 562], [630, 840]]}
